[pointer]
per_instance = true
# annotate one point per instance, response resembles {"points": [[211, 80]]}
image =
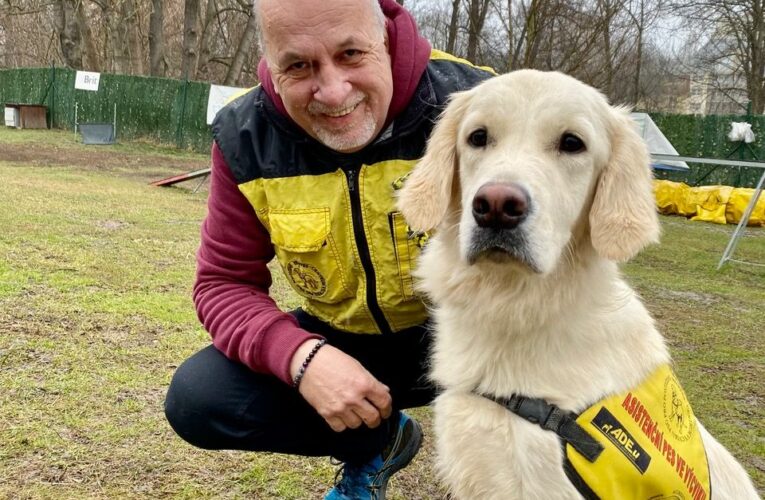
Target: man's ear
{"points": [[273, 82], [427, 191], [623, 215]]}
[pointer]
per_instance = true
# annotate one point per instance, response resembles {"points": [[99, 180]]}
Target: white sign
{"points": [[87, 80], [219, 97]]}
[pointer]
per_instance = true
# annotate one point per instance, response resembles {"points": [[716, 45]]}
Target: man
{"points": [[304, 168]]}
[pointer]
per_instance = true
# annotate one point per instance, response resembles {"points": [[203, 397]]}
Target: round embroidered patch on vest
{"points": [[307, 278], [678, 416]]}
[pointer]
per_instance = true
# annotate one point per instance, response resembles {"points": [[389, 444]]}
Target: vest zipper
{"points": [[363, 246]]}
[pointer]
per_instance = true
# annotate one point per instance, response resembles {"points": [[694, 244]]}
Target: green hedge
{"points": [[174, 111], [707, 137], [165, 110]]}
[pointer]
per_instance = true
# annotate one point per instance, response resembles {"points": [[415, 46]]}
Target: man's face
{"points": [[330, 65]]}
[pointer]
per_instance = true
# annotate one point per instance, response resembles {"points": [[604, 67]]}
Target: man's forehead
{"points": [[300, 9]]}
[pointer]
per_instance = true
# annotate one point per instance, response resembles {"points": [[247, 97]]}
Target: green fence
{"points": [[174, 111], [164, 110], [707, 137]]}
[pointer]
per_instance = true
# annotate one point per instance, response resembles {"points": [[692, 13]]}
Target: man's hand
{"points": [[342, 391]]}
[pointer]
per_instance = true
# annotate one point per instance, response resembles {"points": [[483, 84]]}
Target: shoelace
{"points": [[340, 474]]}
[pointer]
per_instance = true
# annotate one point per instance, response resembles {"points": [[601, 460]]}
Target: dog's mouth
{"points": [[504, 246]]}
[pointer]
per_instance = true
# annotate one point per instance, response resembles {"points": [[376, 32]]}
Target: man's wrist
{"points": [[300, 355], [304, 365]]}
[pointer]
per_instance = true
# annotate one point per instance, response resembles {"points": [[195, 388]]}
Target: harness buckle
{"points": [[551, 418]]}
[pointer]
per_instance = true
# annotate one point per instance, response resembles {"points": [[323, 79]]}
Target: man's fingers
{"points": [[381, 400], [369, 414], [336, 424], [352, 420]]}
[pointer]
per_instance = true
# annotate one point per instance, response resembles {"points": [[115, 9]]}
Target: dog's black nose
{"points": [[500, 206]]}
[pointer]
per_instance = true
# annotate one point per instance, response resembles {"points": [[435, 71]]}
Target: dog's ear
{"points": [[427, 191], [623, 216]]}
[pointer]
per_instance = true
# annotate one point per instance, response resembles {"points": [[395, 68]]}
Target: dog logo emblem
{"points": [[307, 278], [677, 411]]}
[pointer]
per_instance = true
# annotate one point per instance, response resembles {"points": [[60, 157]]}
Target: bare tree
{"points": [[210, 29], [190, 38], [131, 24], [477, 10], [244, 47], [157, 64], [68, 33], [607, 10], [733, 56], [453, 27]]}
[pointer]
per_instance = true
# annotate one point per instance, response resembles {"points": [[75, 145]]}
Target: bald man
{"points": [[304, 168]]}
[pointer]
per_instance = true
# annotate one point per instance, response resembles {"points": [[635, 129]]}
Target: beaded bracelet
{"points": [[301, 372]]}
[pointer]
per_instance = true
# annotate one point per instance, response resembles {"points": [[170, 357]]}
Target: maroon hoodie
{"points": [[231, 289]]}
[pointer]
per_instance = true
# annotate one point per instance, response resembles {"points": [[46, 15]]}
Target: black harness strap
{"points": [[551, 418]]}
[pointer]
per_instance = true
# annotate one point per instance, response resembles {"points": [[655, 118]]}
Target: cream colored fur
{"points": [[559, 323]]}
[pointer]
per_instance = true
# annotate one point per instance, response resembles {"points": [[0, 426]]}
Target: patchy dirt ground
{"points": [[104, 158]]}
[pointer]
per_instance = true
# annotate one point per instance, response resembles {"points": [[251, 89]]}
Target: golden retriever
{"points": [[536, 187]]}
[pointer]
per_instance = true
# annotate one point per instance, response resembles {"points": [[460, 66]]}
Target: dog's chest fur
{"points": [[503, 331]]}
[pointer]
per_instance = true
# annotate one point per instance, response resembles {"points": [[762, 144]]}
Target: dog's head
{"points": [[522, 162]]}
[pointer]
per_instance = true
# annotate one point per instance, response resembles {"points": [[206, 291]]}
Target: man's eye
{"points": [[352, 54], [297, 67]]}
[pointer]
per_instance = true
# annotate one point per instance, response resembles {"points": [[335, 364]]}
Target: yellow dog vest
{"points": [[643, 444], [652, 445]]}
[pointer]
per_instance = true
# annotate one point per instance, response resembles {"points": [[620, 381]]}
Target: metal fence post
{"points": [[179, 130]]}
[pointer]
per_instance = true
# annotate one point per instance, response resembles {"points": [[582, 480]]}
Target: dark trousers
{"points": [[215, 403]]}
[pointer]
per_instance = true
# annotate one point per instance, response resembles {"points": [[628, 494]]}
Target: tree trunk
{"points": [[157, 39], [120, 63], [206, 40], [89, 51], [242, 51], [7, 22], [510, 36], [639, 62], [190, 39], [69, 34], [608, 61], [133, 27], [531, 34], [756, 87], [477, 17], [453, 26]]}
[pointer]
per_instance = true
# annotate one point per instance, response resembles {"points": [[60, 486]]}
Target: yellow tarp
{"points": [[719, 204]]}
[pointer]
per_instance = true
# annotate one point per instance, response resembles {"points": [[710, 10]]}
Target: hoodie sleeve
{"points": [[232, 282]]}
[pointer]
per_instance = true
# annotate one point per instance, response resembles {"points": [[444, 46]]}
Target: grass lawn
{"points": [[96, 269]]}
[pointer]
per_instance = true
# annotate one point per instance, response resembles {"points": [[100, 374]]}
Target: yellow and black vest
{"points": [[337, 235], [652, 445], [643, 444]]}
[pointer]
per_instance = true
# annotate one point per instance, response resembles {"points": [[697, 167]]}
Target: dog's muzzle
{"points": [[499, 209]]}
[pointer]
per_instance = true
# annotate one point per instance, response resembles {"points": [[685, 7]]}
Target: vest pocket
{"points": [[406, 252], [308, 253]]}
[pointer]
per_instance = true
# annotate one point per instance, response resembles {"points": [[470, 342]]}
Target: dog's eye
{"points": [[478, 138], [569, 143]]}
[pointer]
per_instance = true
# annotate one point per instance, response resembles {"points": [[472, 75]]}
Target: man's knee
{"points": [[192, 402]]}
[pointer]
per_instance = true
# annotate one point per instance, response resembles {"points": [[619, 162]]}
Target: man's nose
{"points": [[333, 86]]}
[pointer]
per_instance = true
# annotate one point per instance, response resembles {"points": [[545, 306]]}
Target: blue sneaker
{"points": [[370, 480]]}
